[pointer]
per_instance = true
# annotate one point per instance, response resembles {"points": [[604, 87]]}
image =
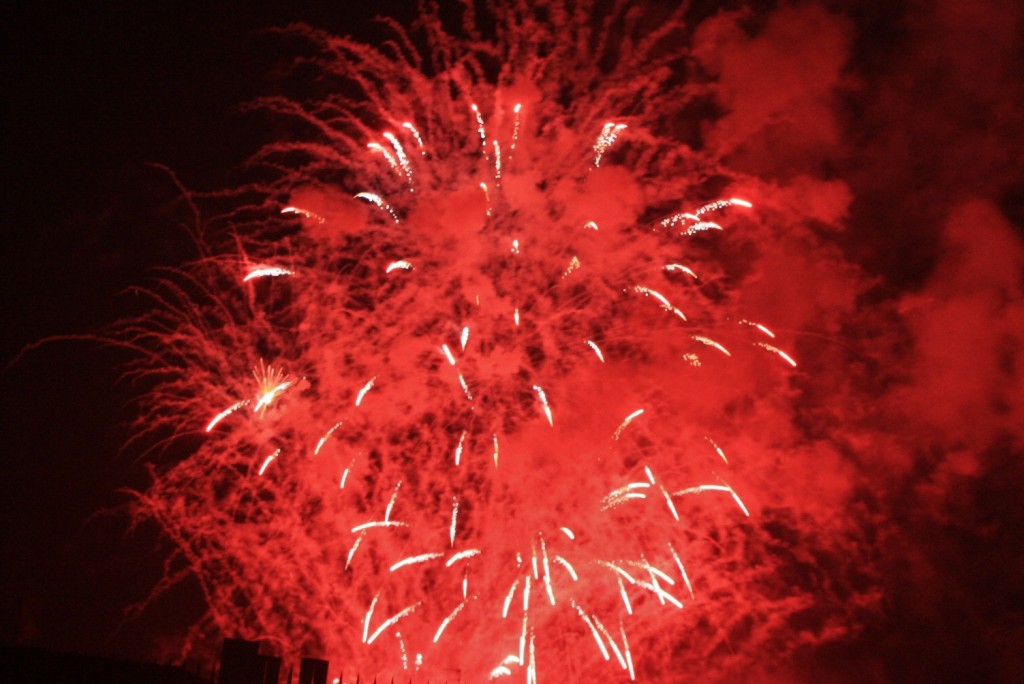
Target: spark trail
{"points": [[486, 391]]}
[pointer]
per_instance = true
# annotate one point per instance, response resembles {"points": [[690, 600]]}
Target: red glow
{"points": [[545, 497]]}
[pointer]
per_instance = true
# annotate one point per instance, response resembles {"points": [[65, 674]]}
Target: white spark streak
{"points": [[611, 642], [305, 213], [612, 566], [376, 199], [515, 128], [458, 449], [462, 555], [544, 400], [508, 598], [609, 132], [547, 573], [225, 413], [447, 620], [415, 134], [448, 354], [366, 618], [760, 327], [400, 264], [568, 567], [366, 388], [465, 387], [455, 518], [715, 488], [323, 440], [480, 127], [682, 570], [593, 629], [711, 343], [344, 474], [662, 299], [267, 272], [392, 620], [352, 553], [701, 226], [391, 503], [403, 160], [718, 449], [413, 560], [268, 460], [378, 523], [625, 647], [775, 350], [629, 419], [625, 596], [683, 269]]}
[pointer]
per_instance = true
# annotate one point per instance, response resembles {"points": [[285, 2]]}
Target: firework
{"points": [[457, 390]]}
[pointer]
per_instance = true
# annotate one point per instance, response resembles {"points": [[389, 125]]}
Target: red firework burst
{"points": [[460, 387]]}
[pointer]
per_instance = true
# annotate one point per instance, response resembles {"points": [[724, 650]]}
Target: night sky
{"points": [[906, 117]]}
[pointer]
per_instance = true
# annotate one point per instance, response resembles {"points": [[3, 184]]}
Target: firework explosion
{"points": [[455, 394]]}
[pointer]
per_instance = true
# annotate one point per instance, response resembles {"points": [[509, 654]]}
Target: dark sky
{"points": [[94, 96], [916, 124]]}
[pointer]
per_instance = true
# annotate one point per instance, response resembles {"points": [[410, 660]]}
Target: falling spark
{"points": [[609, 133], [544, 401], [400, 264], [455, 518], [323, 440], [461, 555], [225, 413], [515, 127], [267, 272], [305, 213], [458, 449], [682, 570], [682, 269], [480, 126], [412, 560], [415, 134], [625, 423], [403, 160], [711, 343], [366, 388], [447, 620], [597, 350], [448, 354], [718, 449], [391, 621], [268, 460], [344, 475], [376, 199], [760, 327], [775, 350]]}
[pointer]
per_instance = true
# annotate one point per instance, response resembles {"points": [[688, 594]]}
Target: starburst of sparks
{"points": [[483, 461]]}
